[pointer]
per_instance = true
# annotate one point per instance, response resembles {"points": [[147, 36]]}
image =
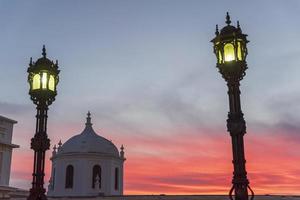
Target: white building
{"points": [[6, 147], [86, 165]]}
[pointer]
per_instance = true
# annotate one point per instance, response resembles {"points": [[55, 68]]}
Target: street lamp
{"points": [[230, 47], [43, 79]]}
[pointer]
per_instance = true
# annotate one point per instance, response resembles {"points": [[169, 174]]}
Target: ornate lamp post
{"points": [[43, 79], [230, 47]]}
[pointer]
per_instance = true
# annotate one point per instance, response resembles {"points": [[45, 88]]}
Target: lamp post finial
{"points": [[217, 30], [44, 51], [228, 21]]}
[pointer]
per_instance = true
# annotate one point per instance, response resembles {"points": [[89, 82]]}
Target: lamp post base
{"points": [[37, 194], [241, 192]]}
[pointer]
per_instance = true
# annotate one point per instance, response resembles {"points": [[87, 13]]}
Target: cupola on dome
{"points": [[89, 142]]}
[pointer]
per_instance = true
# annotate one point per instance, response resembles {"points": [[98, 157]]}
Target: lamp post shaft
{"points": [[236, 125], [39, 143]]}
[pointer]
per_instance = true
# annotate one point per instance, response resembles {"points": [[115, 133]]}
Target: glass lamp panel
{"points": [[229, 52], [220, 56], [239, 51], [51, 83], [44, 80], [36, 82]]}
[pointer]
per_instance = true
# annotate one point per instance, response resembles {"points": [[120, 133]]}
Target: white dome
{"points": [[89, 142]]}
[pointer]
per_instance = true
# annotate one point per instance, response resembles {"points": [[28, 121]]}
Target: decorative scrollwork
{"points": [[232, 189], [233, 72], [230, 192], [252, 193], [40, 142], [236, 124]]}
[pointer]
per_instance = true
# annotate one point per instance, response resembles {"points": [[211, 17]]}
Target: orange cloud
{"points": [[196, 162]]}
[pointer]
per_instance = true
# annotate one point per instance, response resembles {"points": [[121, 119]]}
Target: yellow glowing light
{"points": [[229, 52], [36, 82], [220, 57], [44, 80], [239, 51], [51, 83]]}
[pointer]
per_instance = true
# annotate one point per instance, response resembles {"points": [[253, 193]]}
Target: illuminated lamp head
{"points": [[230, 48], [43, 79]]}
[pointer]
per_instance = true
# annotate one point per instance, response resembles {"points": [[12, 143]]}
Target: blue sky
{"points": [[147, 67], [117, 49]]}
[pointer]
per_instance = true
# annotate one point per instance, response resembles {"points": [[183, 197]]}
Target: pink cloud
{"points": [[196, 162]]}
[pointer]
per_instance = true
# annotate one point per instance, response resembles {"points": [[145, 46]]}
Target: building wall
{"points": [[83, 164], [6, 130], [5, 163], [116, 164]]}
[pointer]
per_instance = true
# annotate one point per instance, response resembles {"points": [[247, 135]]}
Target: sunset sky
{"points": [[146, 71]]}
